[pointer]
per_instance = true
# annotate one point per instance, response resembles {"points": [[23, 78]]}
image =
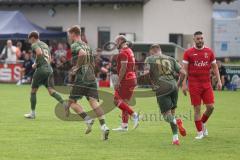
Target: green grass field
{"points": [[48, 138]]}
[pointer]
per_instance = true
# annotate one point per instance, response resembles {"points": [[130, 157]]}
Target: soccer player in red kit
{"points": [[126, 83], [197, 62]]}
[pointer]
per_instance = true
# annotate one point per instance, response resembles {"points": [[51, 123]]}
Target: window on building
{"points": [[55, 28], [103, 36], [130, 36], [225, 13], [176, 38]]}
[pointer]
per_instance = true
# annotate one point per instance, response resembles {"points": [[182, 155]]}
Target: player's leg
{"points": [[165, 104], [49, 84], [77, 108], [198, 121], [124, 125], [174, 99], [36, 82], [33, 101], [124, 93], [208, 100], [100, 114], [195, 91]]}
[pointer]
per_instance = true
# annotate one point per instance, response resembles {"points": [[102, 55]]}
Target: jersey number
{"points": [[164, 66], [46, 55]]}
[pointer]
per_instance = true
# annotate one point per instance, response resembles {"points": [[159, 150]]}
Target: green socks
{"points": [[171, 119], [102, 121], [33, 100], [57, 97]]}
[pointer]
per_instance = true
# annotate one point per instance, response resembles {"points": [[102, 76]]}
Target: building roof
{"points": [[56, 2]]}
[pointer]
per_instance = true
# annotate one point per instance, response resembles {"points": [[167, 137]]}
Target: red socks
{"points": [[125, 117], [124, 107], [204, 118], [198, 125]]}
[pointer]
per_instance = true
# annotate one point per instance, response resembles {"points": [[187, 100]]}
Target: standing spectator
{"points": [[19, 53], [9, 52], [62, 70], [27, 70], [223, 76], [60, 51], [69, 52]]}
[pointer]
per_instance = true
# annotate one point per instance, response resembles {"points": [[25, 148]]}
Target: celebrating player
{"points": [[162, 70], [43, 74], [198, 61], [126, 83], [84, 81]]}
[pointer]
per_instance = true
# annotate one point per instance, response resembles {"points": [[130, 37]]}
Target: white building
{"points": [[143, 20]]}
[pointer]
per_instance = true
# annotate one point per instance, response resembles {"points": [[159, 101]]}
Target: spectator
{"points": [[27, 70], [104, 82], [69, 52], [19, 53], [62, 70], [60, 51], [223, 76], [9, 52], [104, 70]]}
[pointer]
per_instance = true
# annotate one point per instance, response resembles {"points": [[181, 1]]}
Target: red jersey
{"points": [[126, 55], [199, 63]]}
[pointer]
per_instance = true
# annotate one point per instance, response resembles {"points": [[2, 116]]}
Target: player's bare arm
{"points": [[122, 73], [184, 82], [182, 76], [38, 52], [216, 73]]}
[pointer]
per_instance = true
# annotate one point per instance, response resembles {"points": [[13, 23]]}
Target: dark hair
{"points": [[75, 29], [33, 34], [198, 33]]}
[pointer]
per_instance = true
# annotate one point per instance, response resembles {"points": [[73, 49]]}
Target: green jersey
{"points": [[84, 64], [162, 68], [44, 59]]}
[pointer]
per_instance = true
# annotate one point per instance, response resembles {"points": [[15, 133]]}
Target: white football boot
{"points": [[199, 135], [30, 115], [105, 132]]}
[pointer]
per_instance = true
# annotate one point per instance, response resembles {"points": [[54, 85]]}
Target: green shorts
{"points": [[84, 86], [167, 102], [43, 76], [78, 91]]}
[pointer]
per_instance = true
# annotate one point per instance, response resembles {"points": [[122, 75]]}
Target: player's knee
{"points": [[167, 118], [116, 101], [210, 108], [33, 91], [70, 102]]}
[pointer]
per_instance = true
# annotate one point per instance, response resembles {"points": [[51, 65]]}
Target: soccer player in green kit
{"points": [[83, 81], [162, 70], [43, 74]]}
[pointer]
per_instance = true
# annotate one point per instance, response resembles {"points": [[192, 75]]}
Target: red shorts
{"points": [[125, 91], [201, 92]]}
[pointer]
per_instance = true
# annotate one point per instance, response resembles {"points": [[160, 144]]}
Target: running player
{"points": [[43, 74], [162, 70], [84, 81], [126, 82], [198, 61]]}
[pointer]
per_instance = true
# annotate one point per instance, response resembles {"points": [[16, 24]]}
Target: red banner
{"points": [[10, 72]]}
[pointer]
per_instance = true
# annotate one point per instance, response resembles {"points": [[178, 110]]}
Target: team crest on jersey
{"points": [[206, 55]]}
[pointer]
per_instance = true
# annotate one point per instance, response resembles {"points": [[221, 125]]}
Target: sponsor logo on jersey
{"points": [[200, 63], [206, 55]]}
